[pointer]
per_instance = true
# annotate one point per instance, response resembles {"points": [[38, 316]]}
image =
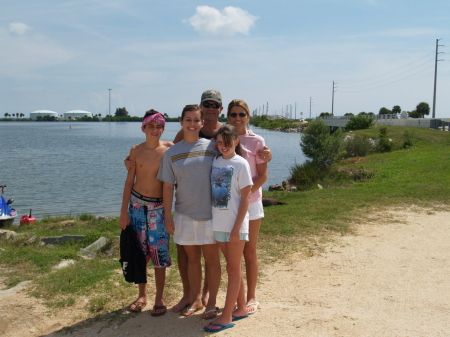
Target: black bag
{"points": [[132, 259]]}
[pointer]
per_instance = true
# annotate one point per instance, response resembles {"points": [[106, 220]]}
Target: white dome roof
{"points": [[78, 112], [44, 112]]}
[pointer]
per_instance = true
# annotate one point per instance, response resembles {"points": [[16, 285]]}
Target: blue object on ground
{"points": [[237, 318], [222, 327]]}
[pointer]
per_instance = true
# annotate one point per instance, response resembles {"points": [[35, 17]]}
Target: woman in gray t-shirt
{"points": [[187, 165]]}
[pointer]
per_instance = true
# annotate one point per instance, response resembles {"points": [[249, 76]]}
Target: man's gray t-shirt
{"points": [[189, 166]]}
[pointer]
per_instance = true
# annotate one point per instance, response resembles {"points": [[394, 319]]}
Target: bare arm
{"points": [[179, 136], [167, 201], [129, 182], [242, 211], [263, 174], [265, 154], [129, 164]]}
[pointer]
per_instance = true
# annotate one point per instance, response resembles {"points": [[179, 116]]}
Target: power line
{"points": [[401, 79], [369, 79]]}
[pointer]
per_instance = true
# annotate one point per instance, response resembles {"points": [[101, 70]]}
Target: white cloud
{"points": [[231, 21], [18, 28]]}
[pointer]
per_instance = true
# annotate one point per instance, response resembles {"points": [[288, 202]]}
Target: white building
{"points": [[42, 113], [74, 114]]}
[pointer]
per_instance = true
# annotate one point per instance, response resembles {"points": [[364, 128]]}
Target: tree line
{"points": [[421, 110]]}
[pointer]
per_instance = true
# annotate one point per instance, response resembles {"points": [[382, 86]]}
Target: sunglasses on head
{"points": [[241, 114], [208, 105]]}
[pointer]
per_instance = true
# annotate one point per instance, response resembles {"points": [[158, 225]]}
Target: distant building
{"points": [[74, 114], [42, 113]]}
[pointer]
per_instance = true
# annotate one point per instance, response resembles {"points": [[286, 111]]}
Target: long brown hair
{"points": [[229, 134], [192, 107]]}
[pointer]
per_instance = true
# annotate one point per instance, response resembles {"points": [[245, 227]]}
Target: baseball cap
{"points": [[212, 95]]}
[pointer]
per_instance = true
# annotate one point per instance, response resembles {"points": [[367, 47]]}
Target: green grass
{"points": [[418, 176]]}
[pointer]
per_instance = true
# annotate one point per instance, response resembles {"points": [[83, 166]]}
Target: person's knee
{"points": [[234, 270], [250, 254]]}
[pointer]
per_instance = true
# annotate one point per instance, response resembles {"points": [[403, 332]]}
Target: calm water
{"points": [[61, 168]]}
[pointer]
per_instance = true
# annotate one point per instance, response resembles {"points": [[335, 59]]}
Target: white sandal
{"points": [[256, 303]]}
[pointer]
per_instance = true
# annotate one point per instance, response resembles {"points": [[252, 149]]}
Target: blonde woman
{"points": [[238, 115]]}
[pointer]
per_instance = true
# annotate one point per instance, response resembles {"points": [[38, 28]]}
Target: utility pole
{"points": [[295, 111], [109, 102], [332, 100], [267, 108], [310, 103], [435, 76]]}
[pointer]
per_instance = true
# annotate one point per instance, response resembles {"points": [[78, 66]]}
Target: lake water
{"points": [[63, 168]]}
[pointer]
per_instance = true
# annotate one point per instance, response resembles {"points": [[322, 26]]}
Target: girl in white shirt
{"points": [[231, 184]]}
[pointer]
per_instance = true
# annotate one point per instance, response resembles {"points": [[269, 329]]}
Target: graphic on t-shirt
{"points": [[221, 183]]}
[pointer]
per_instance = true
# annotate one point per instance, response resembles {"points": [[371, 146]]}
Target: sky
{"points": [[63, 55]]}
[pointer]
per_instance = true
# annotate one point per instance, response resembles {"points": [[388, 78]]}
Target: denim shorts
{"points": [[225, 236]]}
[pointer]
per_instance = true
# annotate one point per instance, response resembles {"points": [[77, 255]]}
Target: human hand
{"points": [[235, 235], [169, 226], [129, 164], [124, 221], [265, 154]]}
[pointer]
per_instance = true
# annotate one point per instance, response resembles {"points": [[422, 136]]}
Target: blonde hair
{"points": [[238, 102]]}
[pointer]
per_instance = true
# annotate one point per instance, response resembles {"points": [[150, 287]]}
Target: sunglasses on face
{"points": [[214, 105], [241, 114]]}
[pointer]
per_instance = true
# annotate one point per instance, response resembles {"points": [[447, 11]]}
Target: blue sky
{"points": [[65, 55]]}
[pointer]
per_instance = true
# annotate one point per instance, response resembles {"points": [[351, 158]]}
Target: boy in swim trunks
{"points": [[143, 209]]}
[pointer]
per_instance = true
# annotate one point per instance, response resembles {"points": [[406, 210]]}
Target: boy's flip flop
{"points": [[138, 306]]}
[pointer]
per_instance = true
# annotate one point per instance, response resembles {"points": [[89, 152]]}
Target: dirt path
{"points": [[392, 279]]}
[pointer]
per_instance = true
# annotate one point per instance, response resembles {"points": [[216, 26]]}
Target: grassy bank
{"points": [[418, 176]]}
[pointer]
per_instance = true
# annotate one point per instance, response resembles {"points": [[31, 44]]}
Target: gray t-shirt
{"points": [[189, 166]]}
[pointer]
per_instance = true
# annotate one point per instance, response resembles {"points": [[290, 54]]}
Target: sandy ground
{"points": [[391, 279]]}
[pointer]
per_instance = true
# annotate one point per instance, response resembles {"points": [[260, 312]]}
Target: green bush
{"points": [[320, 147], [359, 122], [86, 217], [407, 139], [384, 144], [303, 176], [358, 146]]}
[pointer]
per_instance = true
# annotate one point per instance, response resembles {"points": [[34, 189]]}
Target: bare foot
{"points": [[159, 308], [252, 306], [218, 323], [183, 303], [190, 310], [138, 305]]}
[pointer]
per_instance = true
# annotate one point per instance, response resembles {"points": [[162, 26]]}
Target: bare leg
{"points": [[194, 271], [183, 268], [205, 291], [160, 279], [213, 273], [141, 301], [235, 288], [251, 261]]}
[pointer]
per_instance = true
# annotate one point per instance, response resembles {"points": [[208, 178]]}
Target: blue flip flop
{"points": [[237, 318], [222, 327]]}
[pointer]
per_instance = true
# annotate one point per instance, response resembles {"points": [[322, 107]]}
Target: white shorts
{"points": [[255, 210], [189, 231]]}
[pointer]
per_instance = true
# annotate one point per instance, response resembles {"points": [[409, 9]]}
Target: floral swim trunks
{"points": [[147, 220]]}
